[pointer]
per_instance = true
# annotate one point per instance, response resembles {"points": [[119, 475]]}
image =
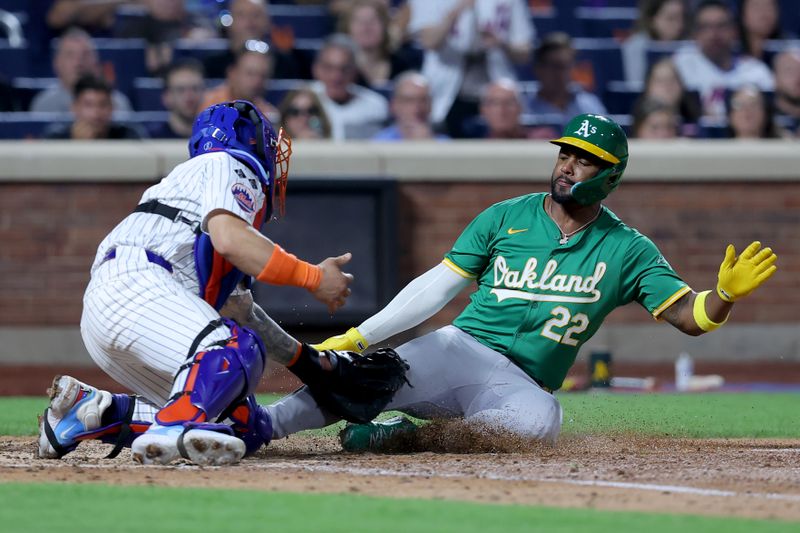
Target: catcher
{"points": [[161, 283], [549, 268]]}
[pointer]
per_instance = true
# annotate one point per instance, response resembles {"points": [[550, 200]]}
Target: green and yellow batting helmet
{"points": [[605, 139]]}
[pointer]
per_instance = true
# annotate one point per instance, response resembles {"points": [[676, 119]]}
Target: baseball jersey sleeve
{"points": [[230, 186], [648, 278], [470, 253]]}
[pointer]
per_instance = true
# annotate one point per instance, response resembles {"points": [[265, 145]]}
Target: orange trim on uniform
{"points": [[181, 410], [284, 268], [671, 300]]}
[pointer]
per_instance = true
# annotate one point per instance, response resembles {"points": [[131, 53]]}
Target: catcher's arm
{"points": [[698, 313], [418, 301]]}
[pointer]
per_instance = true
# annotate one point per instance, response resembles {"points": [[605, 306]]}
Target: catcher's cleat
{"points": [[372, 436], [161, 445], [75, 408]]}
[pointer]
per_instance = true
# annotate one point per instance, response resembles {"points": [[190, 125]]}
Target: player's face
{"points": [[572, 166], [184, 93], [92, 111]]}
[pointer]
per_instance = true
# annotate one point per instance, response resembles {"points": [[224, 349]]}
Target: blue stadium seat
{"points": [[14, 62], [603, 58], [199, 49], [790, 17], [26, 88], [147, 94], [308, 22], [620, 96], [658, 50], [23, 125], [125, 58], [616, 22]]}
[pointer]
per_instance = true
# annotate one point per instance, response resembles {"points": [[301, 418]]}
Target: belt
{"points": [[151, 256]]}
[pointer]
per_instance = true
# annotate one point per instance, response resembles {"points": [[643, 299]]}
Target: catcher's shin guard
{"points": [[251, 423], [213, 380]]}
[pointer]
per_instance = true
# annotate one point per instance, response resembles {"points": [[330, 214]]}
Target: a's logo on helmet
{"points": [[585, 130], [244, 196], [207, 145]]}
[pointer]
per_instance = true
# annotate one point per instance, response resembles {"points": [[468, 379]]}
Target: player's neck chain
{"points": [[564, 239]]}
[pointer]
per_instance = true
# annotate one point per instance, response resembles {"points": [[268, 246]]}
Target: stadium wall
{"points": [[59, 199]]}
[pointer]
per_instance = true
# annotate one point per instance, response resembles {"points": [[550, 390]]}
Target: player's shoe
{"points": [[161, 445], [372, 436], [75, 408]]}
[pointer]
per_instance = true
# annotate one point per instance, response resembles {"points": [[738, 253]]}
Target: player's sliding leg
{"points": [[212, 380], [80, 412]]}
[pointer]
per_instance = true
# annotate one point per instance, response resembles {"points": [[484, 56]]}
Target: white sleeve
{"points": [[418, 301], [522, 31]]}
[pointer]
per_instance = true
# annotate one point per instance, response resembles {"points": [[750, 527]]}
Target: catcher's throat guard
{"points": [[605, 139]]}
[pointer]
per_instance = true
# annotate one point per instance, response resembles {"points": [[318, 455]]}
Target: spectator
{"points": [[655, 120], [787, 88], [246, 79], [663, 84], [355, 112], [750, 115], [468, 43], [95, 16], [659, 20], [711, 66], [558, 98], [182, 97], [75, 56], [303, 116], [92, 108], [161, 24], [501, 110], [248, 20], [411, 109], [759, 22], [366, 22]]}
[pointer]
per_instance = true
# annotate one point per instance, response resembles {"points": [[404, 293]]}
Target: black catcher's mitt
{"points": [[354, 387]]}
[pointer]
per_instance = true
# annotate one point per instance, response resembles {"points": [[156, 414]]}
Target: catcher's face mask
{"points": [[240, 129]]}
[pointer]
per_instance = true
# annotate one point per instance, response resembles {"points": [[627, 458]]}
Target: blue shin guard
{"points": [[216, 379]]}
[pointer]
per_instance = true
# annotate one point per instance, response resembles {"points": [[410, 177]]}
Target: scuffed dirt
{"points": [[741, 477]]}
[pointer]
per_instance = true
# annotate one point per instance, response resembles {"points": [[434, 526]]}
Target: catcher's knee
{"points": [[217, 378]]}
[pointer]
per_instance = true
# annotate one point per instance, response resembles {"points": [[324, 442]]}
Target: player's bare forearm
{"points": [[281, 346], [681, 313], [239, 242]]}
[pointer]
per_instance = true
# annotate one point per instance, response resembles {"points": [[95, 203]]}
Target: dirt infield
{"points": [[741, 478]]}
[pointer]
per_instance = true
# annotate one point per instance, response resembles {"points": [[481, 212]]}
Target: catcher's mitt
{"points": [[354, 387]]}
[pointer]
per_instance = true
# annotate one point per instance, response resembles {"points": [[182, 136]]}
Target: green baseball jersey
{"points": [[538, 300]]}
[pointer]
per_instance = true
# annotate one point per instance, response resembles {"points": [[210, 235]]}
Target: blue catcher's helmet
{"points": [[240, 129]]}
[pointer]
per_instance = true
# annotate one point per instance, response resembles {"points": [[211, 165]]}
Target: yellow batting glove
{"points": [[350, 341], [739, 276]]}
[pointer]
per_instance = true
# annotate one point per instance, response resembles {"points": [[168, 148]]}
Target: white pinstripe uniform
{"points": [[139, 320]]}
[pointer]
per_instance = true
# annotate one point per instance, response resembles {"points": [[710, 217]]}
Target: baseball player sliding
{"points": [[549, 268], [151, 315]]}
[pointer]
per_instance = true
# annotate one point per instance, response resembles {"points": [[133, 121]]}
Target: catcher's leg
{"points": [[80, 412], [210, 382]]}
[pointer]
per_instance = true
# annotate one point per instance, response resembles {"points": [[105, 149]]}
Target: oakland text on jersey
{"points": [[513, 280]]}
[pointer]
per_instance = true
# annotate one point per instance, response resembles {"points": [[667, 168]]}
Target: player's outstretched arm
{"points": [[698, 313], [255, 255], [418, 301]]}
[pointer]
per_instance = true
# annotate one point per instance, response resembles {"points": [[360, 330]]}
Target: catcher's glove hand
{"points": [[352, 386], [739, 276], [351, 341]]}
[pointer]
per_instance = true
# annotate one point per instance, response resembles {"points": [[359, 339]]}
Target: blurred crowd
{"points": [[394, 70]]}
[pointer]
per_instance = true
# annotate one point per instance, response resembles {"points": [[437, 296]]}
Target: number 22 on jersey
{"points": [[562, 317]]}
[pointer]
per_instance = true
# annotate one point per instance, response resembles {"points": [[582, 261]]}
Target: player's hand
{"points": [[349, 341], [334, 287], [739, 276]]}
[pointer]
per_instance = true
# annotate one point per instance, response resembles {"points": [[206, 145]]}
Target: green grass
{"points": [[681, 415], [65, 508]]}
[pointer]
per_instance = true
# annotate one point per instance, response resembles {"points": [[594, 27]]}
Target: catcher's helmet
{"points": [[605, 139], [240, 129]]}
